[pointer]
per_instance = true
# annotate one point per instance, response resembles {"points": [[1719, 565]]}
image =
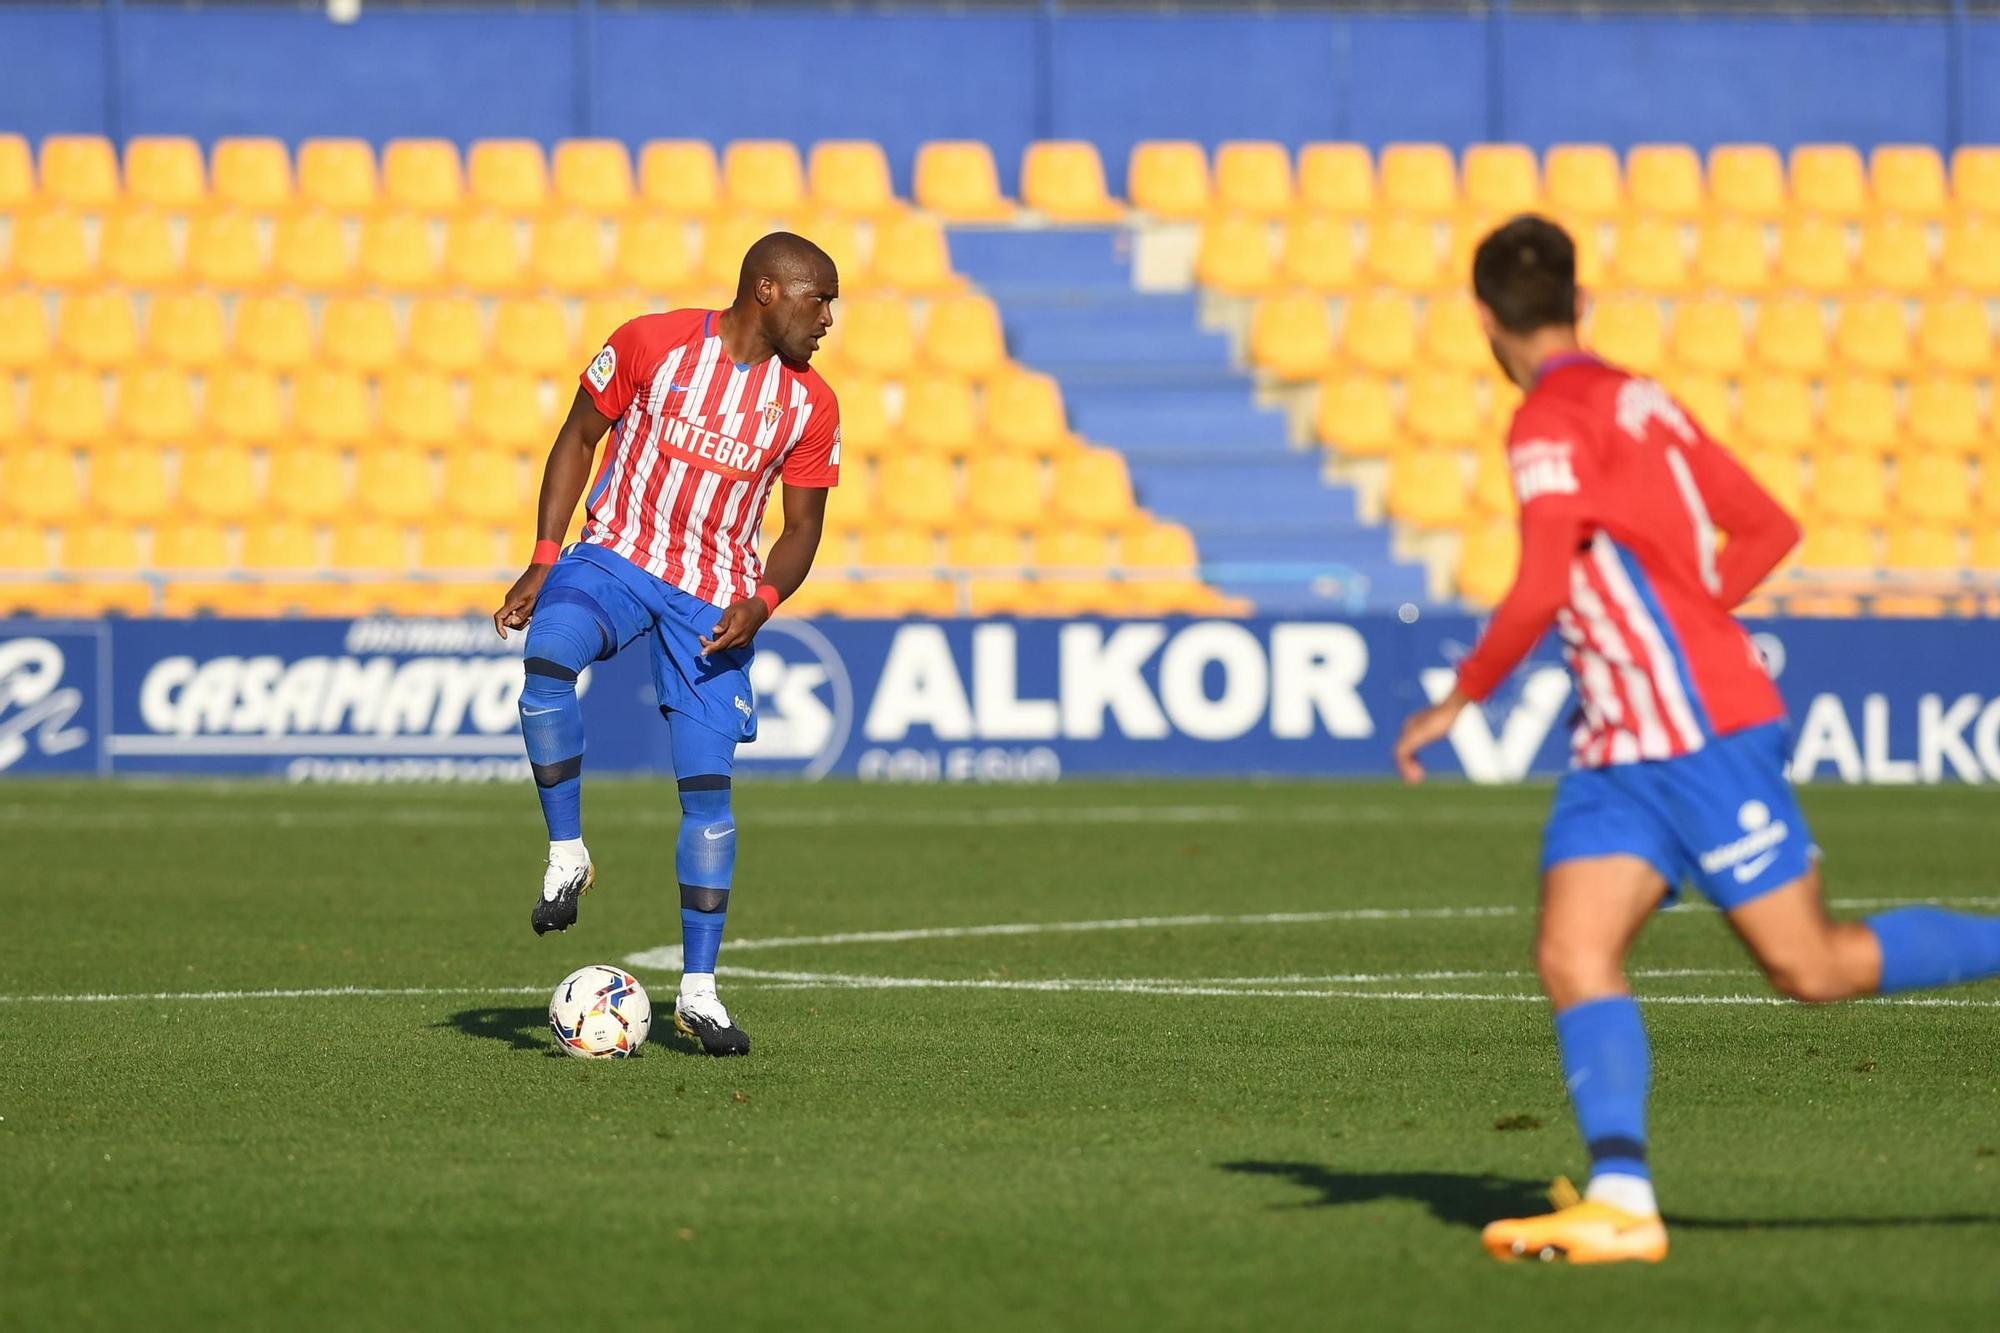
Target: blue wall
{"points": [[1006, 77]]}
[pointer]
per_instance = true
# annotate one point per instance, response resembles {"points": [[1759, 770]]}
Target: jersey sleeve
{"points": [[616, 372], [816, 460]]}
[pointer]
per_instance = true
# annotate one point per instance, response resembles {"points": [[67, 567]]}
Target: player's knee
{"points": [[1572, 973], [1808, 982]]}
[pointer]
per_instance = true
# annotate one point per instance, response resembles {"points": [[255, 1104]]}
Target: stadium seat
{"points": [[866, 428], [225, 252], [1844, 545], [984, 550], [1063, 180], [484, 489], [462, 547], [1708, 336], [251, 174], [1453, 339], [1812, 256], [283, 546], [97, 330], [724, 242], [66, 404], [1953, 334], [1319, 254], [165, 171], [1896, 257], [17, 174], [310, 253], [1336, 179], [963, 335], [308, 482], [1417, 178], [652, 254], [79, 171], [106, 549], [394, 483], [1488, 554], [596, 320], [1871, 335], [506, 412], [422, 176], [1935, 488], [680, 177], [24, 551], [1748, 180], [50, 251], [940, 415], [1235, 258], [24, 332], [1664, 180], [129, 483], [1076, 552], [1985, 553], [1427, 488], [918, 489], [332, 407], [482, 254], [851, 177], [1648, 256], [1355, 417], [1403, 254], [219, 482], [1828, 180], [1929, 547], [1502, 179], [1006, 490], [1860, 416], [913, 256], [1583, 182], [359, 333], [1975, 179], [136, 249], [1791, 336], [507, 176], [1024, 413], [419, 407], [39, 484], [764, 176], [1944, 416], [1291, 337], [1971, 257], [567, 255], [875, 335], [907, 557], [367, 546], [190, 548], [273, 333], [1253, 177], [1441, 408], [1907, 180], [155, 405], [1706, 397], [339, 176], [1849, 487], [840, 237], [1777, 471], [1629, 331], [1168, 179], [593, 176], [245, 405], [1379, 333], [397, 253], [447, 334], [1092, 486]]}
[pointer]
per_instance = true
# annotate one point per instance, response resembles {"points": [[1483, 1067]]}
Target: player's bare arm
{"points": [[785, 569], [563, 479]]}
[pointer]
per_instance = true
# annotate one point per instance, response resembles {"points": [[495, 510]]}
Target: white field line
{"points": [[303, 993]]}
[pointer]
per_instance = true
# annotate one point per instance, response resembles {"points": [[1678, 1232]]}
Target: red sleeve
{"points": [[628, 358], [1760, 532], [815, 461]]}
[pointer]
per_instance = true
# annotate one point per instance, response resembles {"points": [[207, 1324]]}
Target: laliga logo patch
{"points": [[33, 701], [600, 370], [805, 699]]}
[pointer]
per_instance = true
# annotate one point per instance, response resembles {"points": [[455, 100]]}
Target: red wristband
{"points": [[769, 597], [546, 553]]}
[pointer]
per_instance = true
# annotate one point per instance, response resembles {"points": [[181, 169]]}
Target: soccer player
{"points": [[1680, 743], [712, 409]]}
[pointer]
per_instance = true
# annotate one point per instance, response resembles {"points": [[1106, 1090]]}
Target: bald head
{"points": [[787, 290], [785, 258]]}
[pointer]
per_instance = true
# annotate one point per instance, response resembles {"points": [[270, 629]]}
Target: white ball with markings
{"points": [[600, 1013]]}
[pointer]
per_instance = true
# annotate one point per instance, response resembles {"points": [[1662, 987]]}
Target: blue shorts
{"points": [[1723, 818], [627, 602]]}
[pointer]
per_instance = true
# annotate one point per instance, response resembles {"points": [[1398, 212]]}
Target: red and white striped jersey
{"points": [[696, 446], [1624, 500]]}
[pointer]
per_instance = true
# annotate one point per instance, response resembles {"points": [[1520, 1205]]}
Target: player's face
{"points": [[801, 313]]}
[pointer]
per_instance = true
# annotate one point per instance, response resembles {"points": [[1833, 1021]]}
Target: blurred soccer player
{"points": [[1680, 743], [713, 409]]}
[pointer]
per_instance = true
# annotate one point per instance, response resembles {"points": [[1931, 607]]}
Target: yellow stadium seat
{"points": [[80, 171], [1748, 180], [1319, 254], [851, 177], [597, 319], [457, 546], [1870, 334], [963, 335], [1896, 257], [593, 176], [39, 483], [1493, 483], [1971, 258], [1024, 414], [1443, 409], [1235, 256], [1006, 490], [1092, 486], [1861, 416], [1907, 180], [188, 548], [154, 405], [308, 482], [447, 334], [128, 482], [724, 242], [1934, 487], [680, 177], [1922, 546], [1777, 471], [1380, 333], [244, 405], [225, 251], [1945, 417], [397, 253], [764, 176], [1953, 334], [1336, 179], [284, 546], [332, 407], [1252, 177], [913, 256], [1812, 256], [1705, 397], [422, 176], [136, 249], [1488, 555], [1168, 178], [1844, 545], [918, 489], [567, 255], [875, 335], [1500, 178], [97, 330], [24, 332], [395, 483], [1355, 417], [1403, 253], [1075, 552], [1791, 336], [865, 426], [482, 254], [483, 488], [1158, 548], [49, 250], [310, 253], [1975, 178], [24, 550], [1828, 180], [252, 174], [107, 549], [1427, 488], [219, 482], [273, 333], [184, 329], [1583, 181], [418, 407], [1708, 336], [906, 558], [66, 404], [339, 176], [506, 411], [359, 333], [17, 174], [1664, 180], [1628, 331], [652, 254], [165, 171], [1849, 487], [940, 414], [1985, 548], [1418, 178], [1064, 181], [507, 176], [984, 550], [1291, 337], [840, 237], [367, 545], [1648, 256]]}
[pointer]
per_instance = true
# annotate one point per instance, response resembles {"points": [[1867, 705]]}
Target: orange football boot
{"points": [[1580, 1231]]}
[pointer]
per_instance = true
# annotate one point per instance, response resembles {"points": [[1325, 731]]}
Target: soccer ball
{"points": [[600, 1013]]}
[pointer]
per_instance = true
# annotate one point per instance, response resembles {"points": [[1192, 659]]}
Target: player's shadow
{"points": [[524, 1028], [1474, 1200]]}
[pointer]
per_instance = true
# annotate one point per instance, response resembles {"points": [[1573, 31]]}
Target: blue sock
{"points": [[706, 862], [562, 640], [1608, 1068], [1928, 946]]}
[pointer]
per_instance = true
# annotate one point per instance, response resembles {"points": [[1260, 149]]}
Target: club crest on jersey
{"points": [[772, 412], [600, 370]]}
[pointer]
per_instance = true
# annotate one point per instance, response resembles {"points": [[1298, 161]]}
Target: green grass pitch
{"points": [[1230, 1122]]}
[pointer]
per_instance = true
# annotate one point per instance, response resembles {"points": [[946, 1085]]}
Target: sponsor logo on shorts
{"points": [[1752, 853]]}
